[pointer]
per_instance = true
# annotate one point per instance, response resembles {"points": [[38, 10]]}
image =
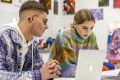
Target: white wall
{"points": [[57, 22], [7, 13]]}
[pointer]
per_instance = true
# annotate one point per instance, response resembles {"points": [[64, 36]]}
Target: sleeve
{"points": [[38, 62], [56, 47], [60, 44], [36, 75], [28, 75], [62, 52], [9, 74], [5, 75]]}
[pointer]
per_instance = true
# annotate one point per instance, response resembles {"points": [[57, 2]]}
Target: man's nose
{"points": [[46, 26]]}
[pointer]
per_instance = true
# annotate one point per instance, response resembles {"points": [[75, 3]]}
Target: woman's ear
{"points": [[74, 24]]}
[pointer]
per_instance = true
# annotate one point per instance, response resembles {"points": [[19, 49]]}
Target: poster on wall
{"points": [[46, 3], [68, 7], [55, 7], [98, 13], [116, 3], [6, 1], [103, 3]]}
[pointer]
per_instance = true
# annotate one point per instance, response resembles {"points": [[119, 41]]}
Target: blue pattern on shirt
{"points": [[10, 58]]}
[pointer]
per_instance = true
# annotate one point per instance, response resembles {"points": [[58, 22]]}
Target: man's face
{"points": [[39, 24], [84, 30]]}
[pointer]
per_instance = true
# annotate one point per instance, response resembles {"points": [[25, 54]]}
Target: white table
{"points": [[104, 74]]}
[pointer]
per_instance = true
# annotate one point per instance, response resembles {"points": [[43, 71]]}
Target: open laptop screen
{"points": [[90, 63]]}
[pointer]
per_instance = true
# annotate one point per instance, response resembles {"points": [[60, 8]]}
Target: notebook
{"points": [[90, 63]]}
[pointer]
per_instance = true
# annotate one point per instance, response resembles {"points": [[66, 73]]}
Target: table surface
{"points": [[109, 78], [106, 75]]}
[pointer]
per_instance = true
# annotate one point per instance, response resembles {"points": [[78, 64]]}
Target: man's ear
{"points": [[30, 19]]}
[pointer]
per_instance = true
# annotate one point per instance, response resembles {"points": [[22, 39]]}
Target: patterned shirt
{"points": [[66, 47], [11, 57]]}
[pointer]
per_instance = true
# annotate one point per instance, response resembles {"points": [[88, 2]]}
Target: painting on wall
{"points": [[103, 3], [55, 7], [116, 3], [6, 1], [68, 7], [46, 3], [98, 13]]}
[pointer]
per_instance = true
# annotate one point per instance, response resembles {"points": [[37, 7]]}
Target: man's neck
{"points": [[25, 31]]}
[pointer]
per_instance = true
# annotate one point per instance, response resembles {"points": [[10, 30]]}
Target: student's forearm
{"points": [[29, 75]]}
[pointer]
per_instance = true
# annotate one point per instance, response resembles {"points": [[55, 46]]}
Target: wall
{"points": [[57, 22], [7, 13]]}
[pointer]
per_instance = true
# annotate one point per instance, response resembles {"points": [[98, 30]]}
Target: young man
{"points": [[19, 59]]}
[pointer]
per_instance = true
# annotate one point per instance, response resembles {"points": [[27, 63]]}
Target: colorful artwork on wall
{"points": [[68, 7], [55, 6], [103, 3], [116, 3], [6, 1], [46, 3], [98, 13]]}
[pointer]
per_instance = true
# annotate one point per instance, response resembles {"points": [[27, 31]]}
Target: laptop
{"points": [[90, 63]]}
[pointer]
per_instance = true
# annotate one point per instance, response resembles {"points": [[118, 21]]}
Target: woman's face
{"points": [[85, 29]]}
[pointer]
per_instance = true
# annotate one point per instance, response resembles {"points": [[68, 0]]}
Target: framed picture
{"points": [[103, 3], [68, 7], [116, 3], [46, 3], [55, 7], [98, 13], [6, 1]]}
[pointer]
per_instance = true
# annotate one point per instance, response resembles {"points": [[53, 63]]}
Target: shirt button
{"points": [[18, 67], [20, 54]]}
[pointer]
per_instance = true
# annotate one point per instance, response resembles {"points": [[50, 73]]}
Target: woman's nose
{"points": [[88, 31]]}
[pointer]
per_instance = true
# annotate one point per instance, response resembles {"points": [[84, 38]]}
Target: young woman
{"points": [[78, 36]]}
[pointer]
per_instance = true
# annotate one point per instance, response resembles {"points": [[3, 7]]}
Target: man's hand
{"points": [[50, 70]]}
